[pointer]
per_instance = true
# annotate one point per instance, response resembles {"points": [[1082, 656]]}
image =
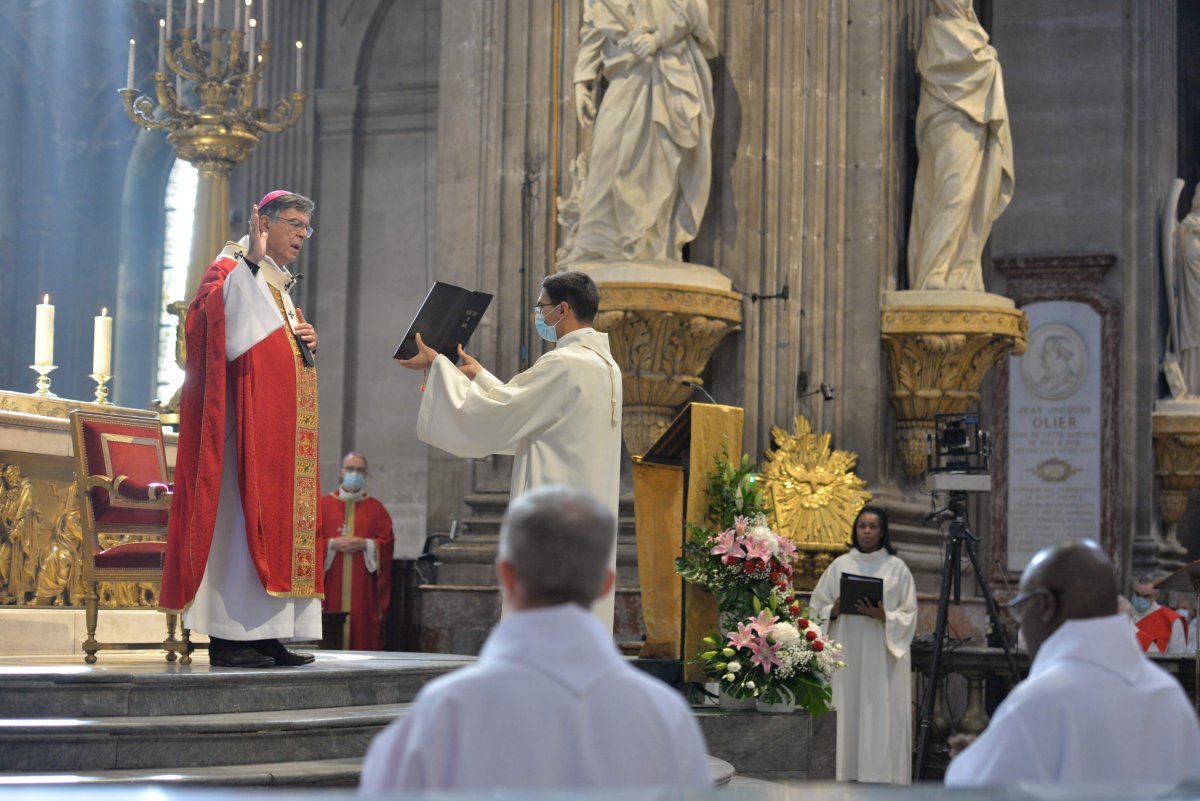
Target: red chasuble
{"points": [[367, 592], [274, 399], [1156, 628]]}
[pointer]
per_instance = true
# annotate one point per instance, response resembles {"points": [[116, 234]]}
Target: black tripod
{"points": [[960, 535]]}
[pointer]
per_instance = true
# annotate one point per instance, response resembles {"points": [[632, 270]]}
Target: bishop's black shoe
{"points": [[281, 656], [236, 654]]}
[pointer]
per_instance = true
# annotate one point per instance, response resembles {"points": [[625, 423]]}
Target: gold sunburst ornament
{"points": [[813, 495]]}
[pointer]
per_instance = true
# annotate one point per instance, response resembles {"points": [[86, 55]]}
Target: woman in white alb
{"points": [[873, 693]]}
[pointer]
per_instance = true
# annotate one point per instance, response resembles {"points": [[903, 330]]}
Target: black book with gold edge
{"points": [[854, 587], [447, 318]]}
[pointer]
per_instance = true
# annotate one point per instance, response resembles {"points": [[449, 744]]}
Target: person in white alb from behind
{"points": [[551, 704]]}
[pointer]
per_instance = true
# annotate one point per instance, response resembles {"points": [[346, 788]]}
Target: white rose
{"points": [[728, 677], [734, 667]]}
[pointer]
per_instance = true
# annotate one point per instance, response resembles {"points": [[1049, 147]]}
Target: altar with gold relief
{"points": [[41, 583]]}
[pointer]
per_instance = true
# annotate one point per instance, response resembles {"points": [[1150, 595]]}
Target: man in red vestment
{"points": [[1158, 627], [242, 562], [355, 535]]}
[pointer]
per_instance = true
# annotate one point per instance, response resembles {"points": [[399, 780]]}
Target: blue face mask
{"points": [[1139, 603], [544, 329], [353, 481]]}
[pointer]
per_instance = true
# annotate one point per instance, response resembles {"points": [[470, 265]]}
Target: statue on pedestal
{"points": [[650, 168], [1181, 268], [965, 168]]}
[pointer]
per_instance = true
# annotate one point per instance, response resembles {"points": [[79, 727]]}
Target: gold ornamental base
{"points": [[941, 345], [1175, 428], [662, 334]]}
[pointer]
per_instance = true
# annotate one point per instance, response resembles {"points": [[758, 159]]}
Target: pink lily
{"points": [[744, 638], [757, 549], [726, 542], [764, 624], [764, 654], [740, 523], [787, 549]]}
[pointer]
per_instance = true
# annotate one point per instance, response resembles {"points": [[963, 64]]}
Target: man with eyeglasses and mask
{"points": [[1093, 708], [242, 561], [355, 532], [1160, 629], [560, 419]]}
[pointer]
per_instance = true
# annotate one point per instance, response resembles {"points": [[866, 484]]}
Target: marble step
{"points": [[168, 742], [121, 685], [342, 772]]}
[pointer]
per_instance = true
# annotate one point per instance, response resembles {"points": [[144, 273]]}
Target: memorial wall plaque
{"points": [[1054, 431]]}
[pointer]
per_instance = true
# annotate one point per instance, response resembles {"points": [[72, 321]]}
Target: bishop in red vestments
{"points": [[355, 536], [242, 561]]}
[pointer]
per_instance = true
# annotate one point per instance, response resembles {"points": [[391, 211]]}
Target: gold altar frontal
{"points": [[40, 534]]}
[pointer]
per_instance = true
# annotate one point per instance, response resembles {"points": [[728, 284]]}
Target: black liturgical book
{"points": [[854, 587], [446, 319]]}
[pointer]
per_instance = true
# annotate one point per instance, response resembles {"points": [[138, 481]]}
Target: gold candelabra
{"points": [[222, 130], [224, 126]]}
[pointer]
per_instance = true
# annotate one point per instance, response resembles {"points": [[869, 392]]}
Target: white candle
{"points": [[249, 22], [266, 37], [102, 344], [250, 44], [129, 72], [162, 44], [299, 65], [43, 334], [237, 15], [187, 15], [199, 19], [170, 16], [216, 13]]}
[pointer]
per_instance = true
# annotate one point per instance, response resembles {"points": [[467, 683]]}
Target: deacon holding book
{"points": [[560, 419], [873, 693], [242, 561]]}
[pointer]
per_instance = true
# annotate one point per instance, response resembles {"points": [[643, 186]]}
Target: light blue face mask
{"points": [[1139, 603], [353, 481], [544, 329]]}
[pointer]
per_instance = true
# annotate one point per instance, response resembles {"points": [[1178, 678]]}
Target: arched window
{"points": [[177, 244]]}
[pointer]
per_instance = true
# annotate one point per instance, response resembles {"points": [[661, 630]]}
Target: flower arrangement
{"points": [[746, 562], [769, 649], [775, 660]]}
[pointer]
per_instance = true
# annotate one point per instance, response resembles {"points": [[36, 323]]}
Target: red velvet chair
{"points": [[121, 475]]}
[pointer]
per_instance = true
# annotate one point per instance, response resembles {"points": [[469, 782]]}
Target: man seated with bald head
{"points": [[1093, 708]]}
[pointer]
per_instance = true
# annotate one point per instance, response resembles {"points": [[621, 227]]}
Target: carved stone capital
{"points": [[939, 356], [1176, 460], [661, 335]]}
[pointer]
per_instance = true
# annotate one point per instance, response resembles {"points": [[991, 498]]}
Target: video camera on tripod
{"points": [[956, 455]]}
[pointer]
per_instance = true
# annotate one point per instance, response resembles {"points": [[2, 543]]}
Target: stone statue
{"points": [[965, 167], [1181, 267], [650, 168]]}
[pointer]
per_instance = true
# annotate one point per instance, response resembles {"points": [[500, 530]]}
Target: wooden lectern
{"points": [[669, 483]]}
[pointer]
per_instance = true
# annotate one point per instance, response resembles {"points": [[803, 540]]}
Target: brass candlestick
{"points": [[43, 380], [101, 390]]}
